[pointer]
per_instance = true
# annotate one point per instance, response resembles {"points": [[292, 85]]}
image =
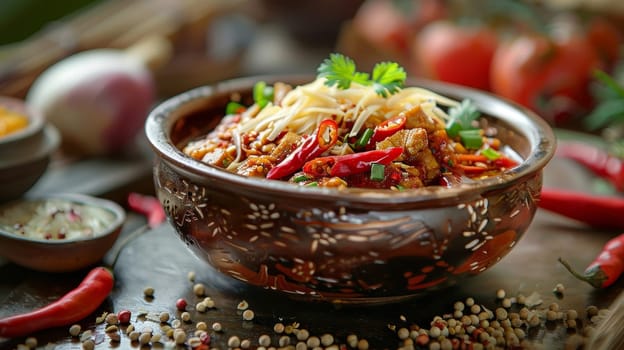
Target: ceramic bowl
{"points": [[344, 246], [25, 154], [62, 255]]}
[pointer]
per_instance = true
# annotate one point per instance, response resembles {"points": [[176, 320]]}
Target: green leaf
{"points": [[605, 113], [340, 70], [609, 82], [388, 78], [464, 114]]}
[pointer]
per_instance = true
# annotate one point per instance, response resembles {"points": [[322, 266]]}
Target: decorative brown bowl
{"points": [[344, 246]]}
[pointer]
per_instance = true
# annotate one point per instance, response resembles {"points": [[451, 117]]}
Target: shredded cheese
{"points": [[303, 108]]}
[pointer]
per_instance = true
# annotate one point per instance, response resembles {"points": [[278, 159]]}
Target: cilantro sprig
{"points": [[461, 117], [387, 77]]}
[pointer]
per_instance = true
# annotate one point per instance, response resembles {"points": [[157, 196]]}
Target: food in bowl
{"points": [[59, 232], [55, 219], [358, 135], [11, 121], [353, 244]]}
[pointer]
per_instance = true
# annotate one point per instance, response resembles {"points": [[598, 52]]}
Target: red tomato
{"points": [[607, 40], [388, 25], [547, 75], [455, 54]]}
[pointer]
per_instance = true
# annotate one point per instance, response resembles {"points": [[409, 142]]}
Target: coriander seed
{"points": [[264, 340], [248, 315], [199, 289], [500, 294], [217, 327], [74, 330], [148, 292], [313, 342], [243, 305]]}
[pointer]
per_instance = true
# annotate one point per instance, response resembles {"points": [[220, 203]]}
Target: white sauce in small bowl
{"points": [[55, 219]]}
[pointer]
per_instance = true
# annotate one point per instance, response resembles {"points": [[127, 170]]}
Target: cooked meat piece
{"points": [[412, 140], [416, 151], [416, 118], [218, 157], [285, 146], [257, 166], [429, 164]]}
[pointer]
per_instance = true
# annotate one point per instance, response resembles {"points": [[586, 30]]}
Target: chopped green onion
{"points": [[491, 154], [262, 94], [363, 140], [377, 172], [453, 128], [312, 184], [471, 139], [233, 108], [399, 188], [300, 178]]}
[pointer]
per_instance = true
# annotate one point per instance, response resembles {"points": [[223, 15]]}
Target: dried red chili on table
{"points": [[72, 307], [597, 211], [597, 160], [606, 268], [92, 291]]}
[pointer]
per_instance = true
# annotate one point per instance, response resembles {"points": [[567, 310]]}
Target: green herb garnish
{"points": [[262, 94], [491, 154], [461, 117], [471, 139], [340, 70], [377, 172], [300, 178], [233, 108], [363, 140]]}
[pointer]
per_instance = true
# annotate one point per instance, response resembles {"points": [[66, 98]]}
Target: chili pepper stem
{"points": [[595, 280], [130, 237]]}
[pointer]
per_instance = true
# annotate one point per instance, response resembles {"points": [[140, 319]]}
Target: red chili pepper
{"points": [[350, 164], [597, 211], [72, 307], [606, 268], [311, 147], [387, 128], [149, 206], [597, 160]]}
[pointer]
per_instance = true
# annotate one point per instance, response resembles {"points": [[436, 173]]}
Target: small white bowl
{"points": [[61, 255]]}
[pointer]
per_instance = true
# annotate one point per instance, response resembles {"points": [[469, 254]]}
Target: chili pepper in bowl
{"points": [[350, 164], [595, 210], [597, 160], [606, 268], [326, 136]]}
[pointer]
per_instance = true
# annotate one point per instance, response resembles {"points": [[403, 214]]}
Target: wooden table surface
{"points": [[160, 260]]}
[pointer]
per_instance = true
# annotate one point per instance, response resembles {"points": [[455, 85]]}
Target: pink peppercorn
{"points": [[205, 338], [181, 304], [123, 316]]}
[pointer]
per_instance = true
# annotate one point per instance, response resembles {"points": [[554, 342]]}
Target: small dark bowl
{"points": [[25, 154], [344, 246]]}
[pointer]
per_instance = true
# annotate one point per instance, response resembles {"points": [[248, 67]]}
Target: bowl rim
{"points": [[36, 120], [526, 122], [118, 212], [50, 143]]}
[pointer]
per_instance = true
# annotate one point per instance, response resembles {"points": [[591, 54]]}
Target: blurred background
{"points": [[560, 58]]}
